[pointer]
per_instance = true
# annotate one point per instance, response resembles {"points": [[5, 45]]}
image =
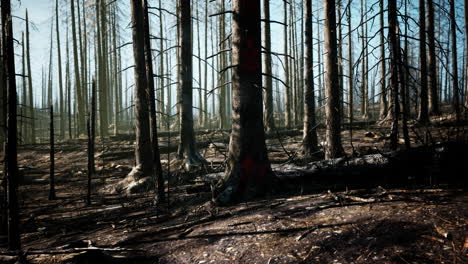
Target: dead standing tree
{"points": [[139, 178], [11, 154], [309, 143], [333, 148], [395, 64], [268, 81], [52, 156], [152, 102], [187, 147], [248, 173]]}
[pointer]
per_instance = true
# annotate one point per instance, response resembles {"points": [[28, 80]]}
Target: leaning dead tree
{"points": [[11, 162], [248, 173], [152, 102], [187, 147], [143, 153]]}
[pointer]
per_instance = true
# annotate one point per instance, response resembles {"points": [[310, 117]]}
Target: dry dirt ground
{"points": [[333, 224]]}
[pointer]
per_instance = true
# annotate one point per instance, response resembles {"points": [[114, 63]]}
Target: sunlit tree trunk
{"points": [[187, 147], [248, 173], [78, 80], [143, 152]]}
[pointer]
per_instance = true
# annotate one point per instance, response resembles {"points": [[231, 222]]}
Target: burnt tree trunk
{"points": [[268, 116], [455, 87], [466, 46], [309, 143], [52, 156], [151, 93], [248, 171], [143, 152], [11, 153], [395, 62], [187, 149], [91, 141], [423, 116], [383, 71], [333, 148], [434, 108]]}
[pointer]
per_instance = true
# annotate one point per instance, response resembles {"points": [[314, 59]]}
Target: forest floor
{"points": [[413, 222]]}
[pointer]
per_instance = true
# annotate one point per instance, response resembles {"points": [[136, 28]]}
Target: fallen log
{"points": [[424, 165]]}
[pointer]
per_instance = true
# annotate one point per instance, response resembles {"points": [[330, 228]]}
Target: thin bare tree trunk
{"points": [[52, 156], [3, 104], [333, 148], [423, 107], [466, 47], [286, 69], [154, 128], [205, 88], [351, 76], [434, 108], [383, 71], [24, 137], [91, 139], [78, 89], [456, 91], [161, 70], [248, 172], [268, 116], [59, 63]]}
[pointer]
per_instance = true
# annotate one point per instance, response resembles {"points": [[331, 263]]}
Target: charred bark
{"points": [[248, 173], [143, 152], [152, 99], [11, 153], [309, 143], [333, 148], [52, 157], [187, 148]]}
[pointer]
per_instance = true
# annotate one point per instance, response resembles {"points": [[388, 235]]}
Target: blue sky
{"points": [[41, 14]]}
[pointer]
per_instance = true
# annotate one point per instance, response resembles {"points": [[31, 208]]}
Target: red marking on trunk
{"points": [[252, 173], [252, 63]]}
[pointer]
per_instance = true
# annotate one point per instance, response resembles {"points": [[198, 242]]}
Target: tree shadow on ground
{"points": [[396, 241]]}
